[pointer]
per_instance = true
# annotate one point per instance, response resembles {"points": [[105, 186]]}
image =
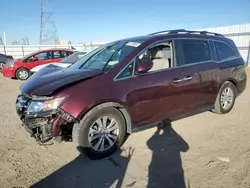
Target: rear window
{"points": [[195, 51], [224, 51]]}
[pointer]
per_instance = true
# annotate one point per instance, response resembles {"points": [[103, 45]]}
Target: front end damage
{"points": [[45, 126]]}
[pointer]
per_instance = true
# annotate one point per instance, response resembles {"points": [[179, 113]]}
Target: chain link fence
{"points": [[18, 51]]}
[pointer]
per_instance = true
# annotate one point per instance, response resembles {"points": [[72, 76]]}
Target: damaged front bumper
{"points": [[44, 126]]}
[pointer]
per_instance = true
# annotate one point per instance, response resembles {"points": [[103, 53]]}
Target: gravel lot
{"points": [[205, 150]]}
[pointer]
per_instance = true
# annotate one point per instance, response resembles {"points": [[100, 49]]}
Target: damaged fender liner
{"points": [[44, 128]]}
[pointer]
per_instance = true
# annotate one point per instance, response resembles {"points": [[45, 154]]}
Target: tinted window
{"points": [[63, 54], [60, 54], [29, 59], [44, 55], [224, 51], [127, 72], [69, 53], [195, 51]]}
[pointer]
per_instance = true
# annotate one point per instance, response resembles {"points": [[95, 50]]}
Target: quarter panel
{"points": [[234, 70]]}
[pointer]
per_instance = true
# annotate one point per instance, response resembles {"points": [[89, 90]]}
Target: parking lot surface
{"points": [[202, 151]]}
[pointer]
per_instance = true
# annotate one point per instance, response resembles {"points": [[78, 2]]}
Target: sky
{"points": [[100, 20]]}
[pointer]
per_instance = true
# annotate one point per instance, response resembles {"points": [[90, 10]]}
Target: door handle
{"points": [[187, 78], [178, 80]]}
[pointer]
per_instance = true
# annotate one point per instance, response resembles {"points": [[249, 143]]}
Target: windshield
{"points": [[73, 57], [107, 56], [31, 54]]}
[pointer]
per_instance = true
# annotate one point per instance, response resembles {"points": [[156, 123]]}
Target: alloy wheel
{"points": [[23, 74], [103, 133], [227, 98]]}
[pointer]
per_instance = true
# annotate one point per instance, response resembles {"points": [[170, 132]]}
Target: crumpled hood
{"points": [[46, 81]]}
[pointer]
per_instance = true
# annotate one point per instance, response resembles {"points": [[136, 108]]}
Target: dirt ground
{"points": [[205, 150]]}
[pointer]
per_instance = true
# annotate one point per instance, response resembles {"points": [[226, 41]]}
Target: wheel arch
{"points": [[234, 82], [118, 106]]}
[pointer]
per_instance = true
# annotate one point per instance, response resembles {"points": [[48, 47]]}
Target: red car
{"points": [[20, 68]]}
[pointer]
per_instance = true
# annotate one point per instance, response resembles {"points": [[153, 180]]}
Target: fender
{"points": [[120, 107]]}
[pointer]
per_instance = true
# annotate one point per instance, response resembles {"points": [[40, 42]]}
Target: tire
{"points": [[219, 108], [81, 133], [22, 74], [1, 64]]}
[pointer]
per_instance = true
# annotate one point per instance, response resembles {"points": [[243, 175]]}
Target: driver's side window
{"points": [[44, 55], [40, 56], [30, 59], [160, 55]]}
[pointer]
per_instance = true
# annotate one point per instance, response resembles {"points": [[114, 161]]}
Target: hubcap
{"points": [[227, 98], [23, 74], [103, 133]]}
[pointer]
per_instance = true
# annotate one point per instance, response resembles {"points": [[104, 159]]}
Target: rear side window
{"points": [[60, 54], [224, 51], [69, 53], [195, 51]]}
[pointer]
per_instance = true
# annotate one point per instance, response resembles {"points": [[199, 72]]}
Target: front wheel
{"points": [[100, 133], [226, 98], [22, 74]]}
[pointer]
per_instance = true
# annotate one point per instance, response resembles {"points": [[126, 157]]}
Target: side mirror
{"points": [[144, 66], [34, 58]]}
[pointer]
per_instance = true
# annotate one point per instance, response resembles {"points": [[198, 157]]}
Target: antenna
{"points": [[48, 31]]}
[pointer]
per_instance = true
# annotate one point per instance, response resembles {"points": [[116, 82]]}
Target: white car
{"points": [[66, 62]]}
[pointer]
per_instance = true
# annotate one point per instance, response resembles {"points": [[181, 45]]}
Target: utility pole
{"points": [[4, 38], [26, 40], [48, 30], [1, 41]]}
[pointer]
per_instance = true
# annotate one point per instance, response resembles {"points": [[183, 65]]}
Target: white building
{"points": [[240, 34]]}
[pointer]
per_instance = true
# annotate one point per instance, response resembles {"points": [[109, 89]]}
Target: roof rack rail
{"points": [[178, 31]]}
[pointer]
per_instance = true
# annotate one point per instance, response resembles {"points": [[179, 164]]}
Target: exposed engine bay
{"points": [[45, 126]]}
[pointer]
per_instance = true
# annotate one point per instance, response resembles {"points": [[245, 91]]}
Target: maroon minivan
{"points": [[127, 85]]}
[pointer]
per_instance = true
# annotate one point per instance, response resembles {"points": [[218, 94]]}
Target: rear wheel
{"points": [[100, 133], [226, 98], [22, 74]]}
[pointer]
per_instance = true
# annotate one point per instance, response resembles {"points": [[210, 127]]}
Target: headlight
{"points": [[44, 105]]}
